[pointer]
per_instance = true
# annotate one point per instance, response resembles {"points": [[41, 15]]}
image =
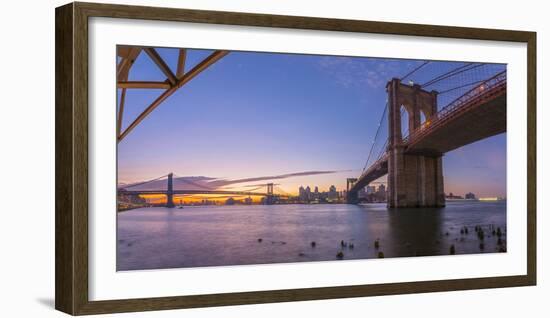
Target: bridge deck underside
{"points": [[480, 121], [373, 173]]}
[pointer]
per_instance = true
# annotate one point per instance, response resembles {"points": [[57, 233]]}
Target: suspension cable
{"points": [[461, 86], [414, 70], [192, 183], [376, 135], [453, 73], [382, 150], [447, 73], [282, 191], [141, 183]]}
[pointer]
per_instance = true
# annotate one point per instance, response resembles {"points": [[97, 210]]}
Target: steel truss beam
{"points": [[172, 83]]}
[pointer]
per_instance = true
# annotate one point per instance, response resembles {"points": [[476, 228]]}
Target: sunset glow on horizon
{"points": [[289, 119]]}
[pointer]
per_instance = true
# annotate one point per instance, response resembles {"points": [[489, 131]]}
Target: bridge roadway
{"points": [[473, 117], [478, 118]]}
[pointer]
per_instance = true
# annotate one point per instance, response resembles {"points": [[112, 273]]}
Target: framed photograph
{"points": [[219, 158]]}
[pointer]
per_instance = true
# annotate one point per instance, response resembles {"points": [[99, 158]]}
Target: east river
{"points": [[152, 238]]}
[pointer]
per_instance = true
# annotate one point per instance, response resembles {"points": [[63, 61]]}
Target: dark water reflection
{"points": [[151, 238]]}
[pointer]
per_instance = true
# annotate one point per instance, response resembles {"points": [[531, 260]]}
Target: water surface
{"points": [[152, 238]]}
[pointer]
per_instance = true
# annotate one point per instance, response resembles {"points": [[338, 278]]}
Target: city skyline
{"points": [[305, 113], [376, 192]]}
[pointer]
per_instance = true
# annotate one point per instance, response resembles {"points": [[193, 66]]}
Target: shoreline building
{"points": [[451, 196], [332, 194]]}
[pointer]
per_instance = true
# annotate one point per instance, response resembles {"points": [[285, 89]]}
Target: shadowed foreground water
{"points": [[151, 238]]}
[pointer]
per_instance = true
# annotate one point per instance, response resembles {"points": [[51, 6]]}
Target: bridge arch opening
{"points": [[422, 117], [404, 121]]}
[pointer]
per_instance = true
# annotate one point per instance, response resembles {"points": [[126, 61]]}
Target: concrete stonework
{"points": [[414, 180]]}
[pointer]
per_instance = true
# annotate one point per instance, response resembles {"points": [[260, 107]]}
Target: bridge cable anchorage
{"points": [[455, 72], [414, 70], [376, 136], [141, 183]]}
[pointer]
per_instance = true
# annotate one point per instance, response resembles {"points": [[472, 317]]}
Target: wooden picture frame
{"points": [[71, 89]]}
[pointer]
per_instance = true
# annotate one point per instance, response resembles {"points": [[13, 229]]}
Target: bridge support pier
{"points": [[414, 180], [170, 192], [352, 196], [270, 198]]}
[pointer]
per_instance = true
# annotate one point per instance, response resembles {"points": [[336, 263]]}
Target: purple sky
{"points": [[256, 115]]}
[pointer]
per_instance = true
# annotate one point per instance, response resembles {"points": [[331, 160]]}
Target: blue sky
{"points": [[261, 114]]}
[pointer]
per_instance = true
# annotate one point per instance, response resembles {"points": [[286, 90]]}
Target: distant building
{"points": [[381, 193], [316, 193], [470, 196], [332, 194], [370, 189], [302, 194], [452, 196], [125, 201]]}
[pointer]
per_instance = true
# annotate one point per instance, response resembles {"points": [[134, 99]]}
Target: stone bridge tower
{"points": [[414, 179], [270, 198], [170, 192]]}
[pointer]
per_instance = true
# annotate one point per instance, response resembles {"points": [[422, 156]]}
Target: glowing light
{"points": [[489, 199]]}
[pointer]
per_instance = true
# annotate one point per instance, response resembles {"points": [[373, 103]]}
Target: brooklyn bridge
{"points": [[459, 106]]}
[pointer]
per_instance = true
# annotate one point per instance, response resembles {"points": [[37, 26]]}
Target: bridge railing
{"points": [[486, 89]]}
